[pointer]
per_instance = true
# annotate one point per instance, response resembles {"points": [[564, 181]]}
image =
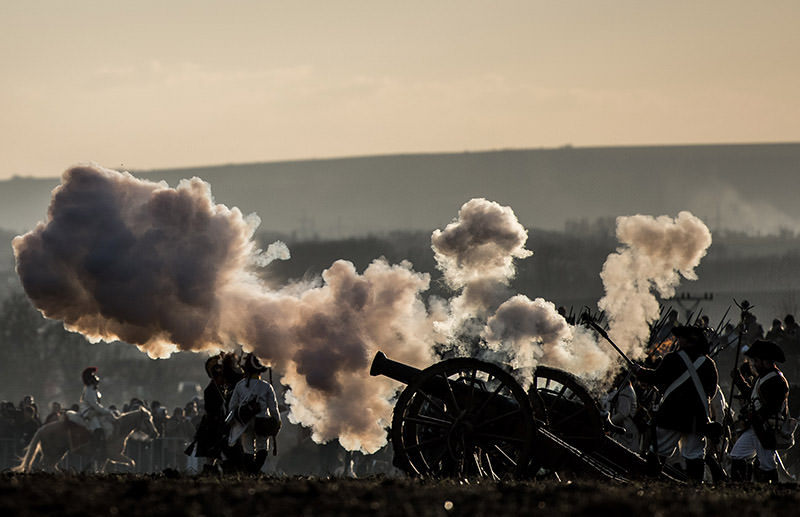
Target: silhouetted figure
{"points": [[254, 415], [767, 398], [687, 379]]}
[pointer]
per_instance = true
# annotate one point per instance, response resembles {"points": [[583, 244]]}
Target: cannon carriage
{"points": [[465, 417]]}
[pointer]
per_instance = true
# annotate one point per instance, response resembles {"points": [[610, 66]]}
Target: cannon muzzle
{"points": [[382, 365]]}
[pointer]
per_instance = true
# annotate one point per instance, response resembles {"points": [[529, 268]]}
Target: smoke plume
{"points": [[654, 254], [532, 332], [167, 269], [476, 254]]}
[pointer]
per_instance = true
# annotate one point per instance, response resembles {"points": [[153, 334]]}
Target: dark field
{"points": [[123, 495]]}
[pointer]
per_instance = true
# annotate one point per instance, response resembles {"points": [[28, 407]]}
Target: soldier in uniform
{"points": [[99, 420], [687, 379], [253, 414], [212, 433], [767, 404]]}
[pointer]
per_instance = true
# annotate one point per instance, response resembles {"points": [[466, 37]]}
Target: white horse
{"points": [[56, 439]]}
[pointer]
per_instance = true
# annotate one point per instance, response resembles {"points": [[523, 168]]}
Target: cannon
{"points": [[464, 417]]}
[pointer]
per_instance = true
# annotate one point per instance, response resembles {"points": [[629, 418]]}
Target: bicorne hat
{"points": [[251, 364], [693, 334], [768, 350]]}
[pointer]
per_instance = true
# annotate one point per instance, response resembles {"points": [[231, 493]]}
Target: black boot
{"points": [[234, 460], [696, 470], [718, 473], [739, 470], [258, 462], [766, 476], [654, 463]]}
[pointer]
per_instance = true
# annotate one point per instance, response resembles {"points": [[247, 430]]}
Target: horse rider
{"points": [[253, 414], [767, 404], [98, 419], [687, 379]]}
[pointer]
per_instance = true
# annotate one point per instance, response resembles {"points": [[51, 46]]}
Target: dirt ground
{"points": [[236, 496]]}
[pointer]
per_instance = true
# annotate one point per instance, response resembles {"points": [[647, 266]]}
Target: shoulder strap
{"points": [[691, 369]]}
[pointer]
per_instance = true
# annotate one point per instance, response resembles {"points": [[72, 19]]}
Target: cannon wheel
{"points": [[566, 406], [464, 435]]}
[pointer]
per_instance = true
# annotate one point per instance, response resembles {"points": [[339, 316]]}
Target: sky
{"points": [[153, 84]]}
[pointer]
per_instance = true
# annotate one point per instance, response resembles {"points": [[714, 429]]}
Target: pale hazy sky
{"points": [[169, 83]]}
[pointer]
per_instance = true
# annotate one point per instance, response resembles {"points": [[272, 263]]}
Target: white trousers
{"points": [[748, 446], [251, 442], [692, 445]]}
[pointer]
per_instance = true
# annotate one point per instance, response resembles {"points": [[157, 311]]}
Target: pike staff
{"points": [[600, 330], [744, 307]]}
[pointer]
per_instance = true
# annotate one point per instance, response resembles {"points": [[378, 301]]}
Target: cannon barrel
{"points": [[436, 386], [440, 387], [382, 365]]}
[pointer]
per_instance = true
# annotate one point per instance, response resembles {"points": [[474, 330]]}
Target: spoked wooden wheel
{"points": [[463, 418], [567, 407]]}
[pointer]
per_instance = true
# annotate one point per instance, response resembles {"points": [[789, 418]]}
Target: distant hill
{"points": [[753, 188]]}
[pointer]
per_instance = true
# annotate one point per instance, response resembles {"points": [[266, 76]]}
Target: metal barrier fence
{"points": [[150, 456]]}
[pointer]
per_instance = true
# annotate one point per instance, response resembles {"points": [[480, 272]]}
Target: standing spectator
{"points": [[776, 333], [159, 416], [55, 413], [10, 416], [192, 413], [26, 427], [28, 401], [792, 331]]}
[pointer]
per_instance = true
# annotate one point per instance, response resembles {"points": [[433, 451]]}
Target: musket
{"points": [[718, 331], [655, 330]]}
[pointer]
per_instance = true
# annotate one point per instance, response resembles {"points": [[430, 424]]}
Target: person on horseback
{"points": [[253, 414], [98, 419], [687, 380], [767, 406]]}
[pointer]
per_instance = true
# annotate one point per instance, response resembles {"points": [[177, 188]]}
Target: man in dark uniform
{"points": [[212, 433], [687, 380], [766, 408]]}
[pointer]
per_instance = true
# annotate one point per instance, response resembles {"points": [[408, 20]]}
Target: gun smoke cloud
{"points": [[477, 253], [654, 254], [168, 269]]}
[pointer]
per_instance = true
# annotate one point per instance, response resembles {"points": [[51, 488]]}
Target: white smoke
{"points": [[476, 254], [121, 258], [166, 269], [532, 332], [654, 254]]}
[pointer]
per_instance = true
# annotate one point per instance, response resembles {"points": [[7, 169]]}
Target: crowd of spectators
{"points": [[19, 422]]}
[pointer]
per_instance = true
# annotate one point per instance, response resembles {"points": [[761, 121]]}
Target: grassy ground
{"points": [[175, 495]]}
